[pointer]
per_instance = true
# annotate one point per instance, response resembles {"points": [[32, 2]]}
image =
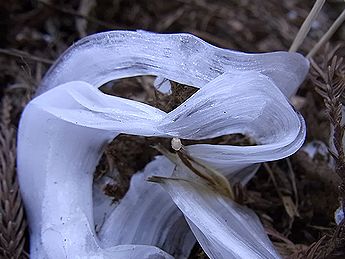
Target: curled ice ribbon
{"points": [[64, 129]]}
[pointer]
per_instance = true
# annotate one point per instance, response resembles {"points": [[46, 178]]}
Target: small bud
{"points": [[176, 144]]}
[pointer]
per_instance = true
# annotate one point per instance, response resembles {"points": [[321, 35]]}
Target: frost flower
{"points": [[64, 129]]}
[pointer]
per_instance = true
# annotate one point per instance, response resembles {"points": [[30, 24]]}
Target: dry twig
{"points": [[328, 34], [22, 54], [330, 84], [302, 33], [12, 224]]}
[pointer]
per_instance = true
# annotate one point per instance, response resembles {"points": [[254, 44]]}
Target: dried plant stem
{"points": [[23, 54], [328, 34], [12, 224], [303, 31], [331, 86], [335, 112]]}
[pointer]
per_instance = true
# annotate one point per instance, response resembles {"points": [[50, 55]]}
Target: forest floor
{"points": [[295, 198]]}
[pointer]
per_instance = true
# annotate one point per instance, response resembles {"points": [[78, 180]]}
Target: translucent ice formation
{"points": [[182, 58], [63, 131]]}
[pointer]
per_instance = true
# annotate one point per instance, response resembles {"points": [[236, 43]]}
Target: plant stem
{"points": [[328, 34], [303, 31]]}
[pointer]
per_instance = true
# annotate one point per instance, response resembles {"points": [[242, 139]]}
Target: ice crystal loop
{"points": [[63, 131]]}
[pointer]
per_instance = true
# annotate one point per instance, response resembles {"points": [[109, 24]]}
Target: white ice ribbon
{"points": [[63, 131]]}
